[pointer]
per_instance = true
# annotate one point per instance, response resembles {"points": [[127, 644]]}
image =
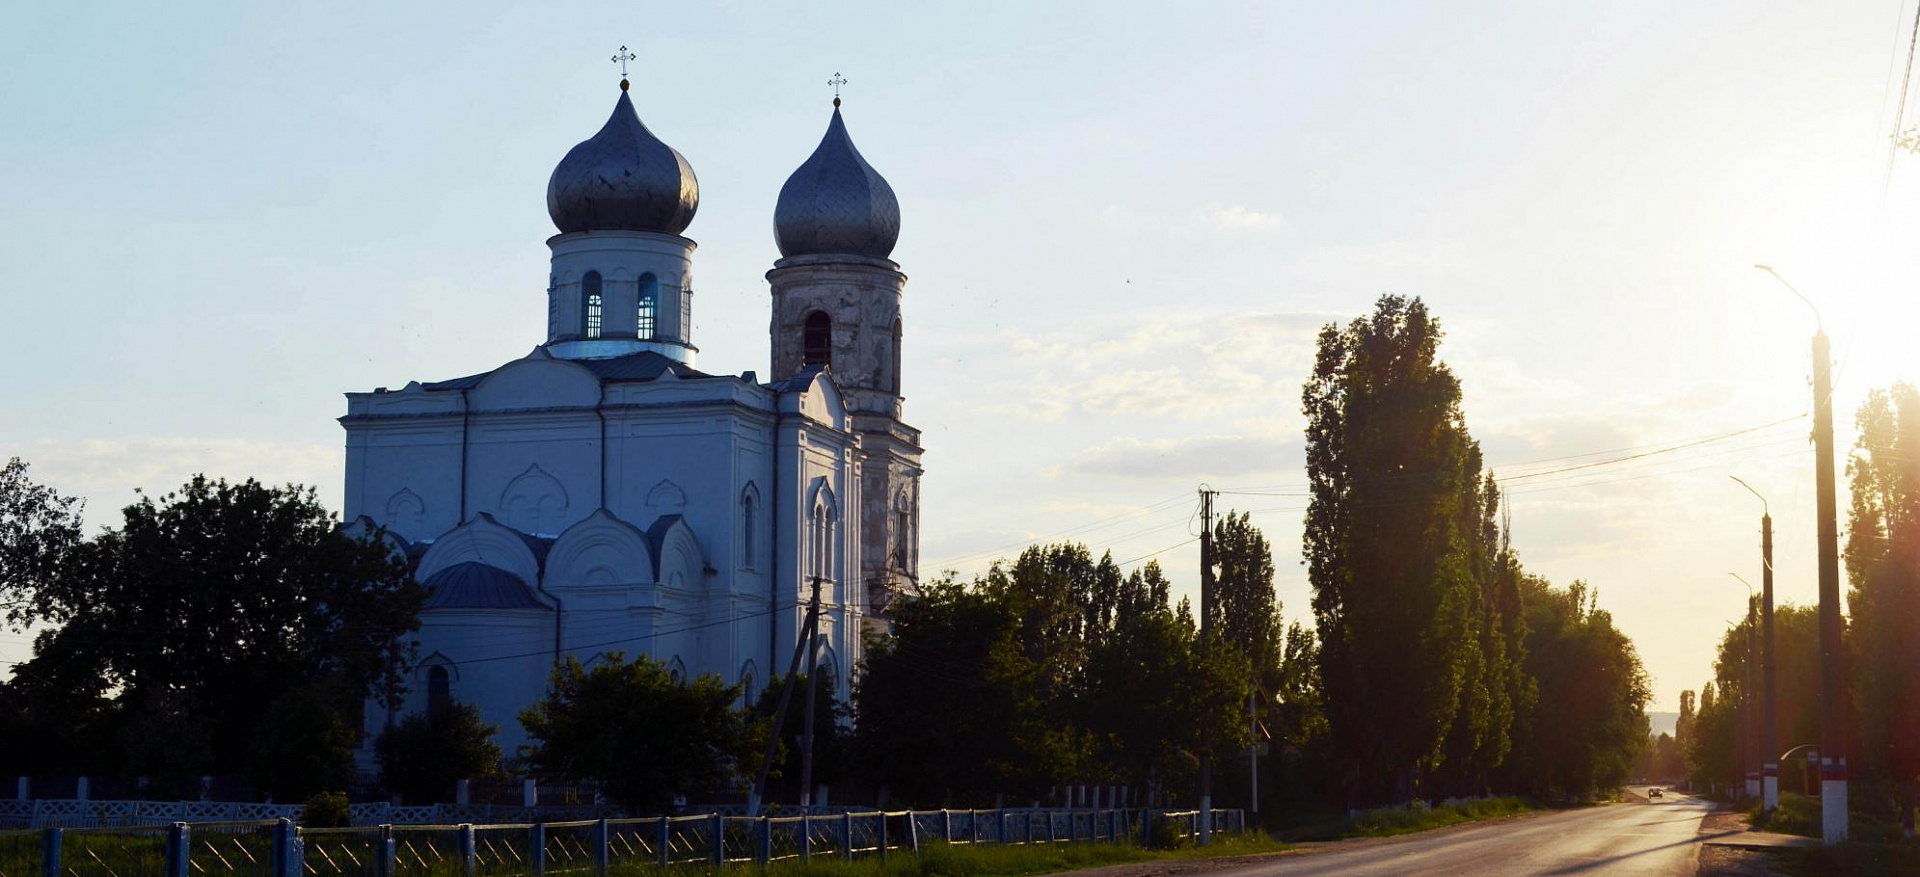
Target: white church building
{"points": [[603, 494]]}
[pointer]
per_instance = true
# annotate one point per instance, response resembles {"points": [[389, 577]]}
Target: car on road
{"points": [[1653, 793]]}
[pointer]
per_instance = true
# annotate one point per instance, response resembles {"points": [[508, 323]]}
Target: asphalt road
{"points": [[1660, 837]]}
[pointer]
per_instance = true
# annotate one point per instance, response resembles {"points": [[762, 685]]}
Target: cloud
{"points": [[106, 472], [1241, 218], [1217, 456]]}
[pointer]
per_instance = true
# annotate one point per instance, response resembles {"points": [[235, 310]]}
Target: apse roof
{"points": [[473, 585]]}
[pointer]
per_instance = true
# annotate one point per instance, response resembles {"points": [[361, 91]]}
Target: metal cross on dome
{"points": [[836, 82], [623, 56]]}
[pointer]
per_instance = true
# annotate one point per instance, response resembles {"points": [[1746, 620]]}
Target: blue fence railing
{"points": [[279, 848]]}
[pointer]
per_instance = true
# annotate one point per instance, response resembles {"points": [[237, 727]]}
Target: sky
{"points": [[1123, 223]]}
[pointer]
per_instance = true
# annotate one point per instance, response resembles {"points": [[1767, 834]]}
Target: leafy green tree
{"points": [[643, 736], [221, 597], [1590, 720], [427, 754], [301, 746], [37, 528], [1246, 611], [1390, 547], [1883, 570], [1152, 691], [952, 705]]}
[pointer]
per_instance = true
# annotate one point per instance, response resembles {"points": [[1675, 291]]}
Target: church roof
{"points": [[836, 203], [635, 367], [623, 179], [473, 585]]}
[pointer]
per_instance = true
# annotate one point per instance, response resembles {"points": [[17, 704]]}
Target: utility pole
{"points": [[1769, 741], [1206, 643], [813, 680], [805, 639], [1833, 678]]}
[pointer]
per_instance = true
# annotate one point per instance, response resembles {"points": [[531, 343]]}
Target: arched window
{"points": [[439, 692], [590, 305], [894, 379], [749, 500], [649, 307], [816, 344], [686, 311]]}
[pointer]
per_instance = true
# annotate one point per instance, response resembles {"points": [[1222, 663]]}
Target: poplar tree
{"points": [[1883, 571], [1389, 543]]}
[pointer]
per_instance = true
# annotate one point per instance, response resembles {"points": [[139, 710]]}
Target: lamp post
{"points": [[1769, 743], [1833, 692]]}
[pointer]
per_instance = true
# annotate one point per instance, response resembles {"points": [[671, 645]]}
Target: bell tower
{"points": [[836, 304]]}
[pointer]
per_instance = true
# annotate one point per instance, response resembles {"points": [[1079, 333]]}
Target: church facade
{"points": [[603, 494]]}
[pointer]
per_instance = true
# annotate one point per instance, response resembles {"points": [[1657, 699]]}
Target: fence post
{"points": [[719, 839], [288, 860], [766, 839], [913, 833], [973, 825], [946, 825], [465, 846], [664, 837], [179, 847], [1005, 838], [1051, 838], [387, 853], [880, 834], [50, 852], [846, 836], [806, 836], [600, 846], [537, 856]]}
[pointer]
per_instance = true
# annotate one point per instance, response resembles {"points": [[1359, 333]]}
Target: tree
{"points": [[1883, 570], [645, 737], [219, 598], [1246, 611], [1389, 543], [1590, 720], [427, 754], [952, 708], [301, 746], [37, 528], [1152, 692]]}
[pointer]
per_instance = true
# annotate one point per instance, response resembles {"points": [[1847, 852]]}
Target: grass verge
{"points": [[1849, 860], [990, 860], [1403, 820]]}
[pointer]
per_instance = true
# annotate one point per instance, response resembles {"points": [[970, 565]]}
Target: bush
{"points": [[325, 810], [423, 756], [1168, 833]]}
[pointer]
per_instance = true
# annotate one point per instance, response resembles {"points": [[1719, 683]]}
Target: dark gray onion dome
{"points": [[836, 203], [623, 179]]}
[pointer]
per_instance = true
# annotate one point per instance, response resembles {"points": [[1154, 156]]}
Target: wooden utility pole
{"points": [[786, 697], [1833, 677], [1769, 743], [813, 680], [1206, 643]]}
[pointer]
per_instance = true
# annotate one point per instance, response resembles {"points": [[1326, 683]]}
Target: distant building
{"points": [[602, 494]]}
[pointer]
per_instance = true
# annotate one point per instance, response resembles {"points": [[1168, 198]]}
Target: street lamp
{"points": [[1769, 743], [1833, 735]]}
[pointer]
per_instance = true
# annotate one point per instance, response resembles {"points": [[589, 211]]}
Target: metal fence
{"points": [[278, 848]]}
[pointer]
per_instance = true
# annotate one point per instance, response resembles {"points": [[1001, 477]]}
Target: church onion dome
{"points": [[623, 179], [836, 203]]}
